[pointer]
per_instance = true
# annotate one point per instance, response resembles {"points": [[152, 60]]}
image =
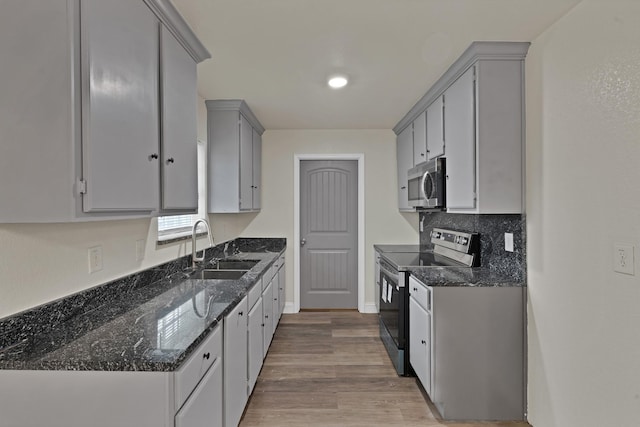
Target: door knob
{"points": [[303, 242]]}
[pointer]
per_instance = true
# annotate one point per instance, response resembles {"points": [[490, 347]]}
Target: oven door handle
{"points": [[394, 276]]}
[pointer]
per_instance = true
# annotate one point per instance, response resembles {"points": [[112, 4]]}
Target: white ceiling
{"points": [[277, 54]]}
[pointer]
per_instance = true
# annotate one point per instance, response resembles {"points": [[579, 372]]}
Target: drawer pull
{"points": [[206, 355], [240, 314], [415, 289], [424, 342]]}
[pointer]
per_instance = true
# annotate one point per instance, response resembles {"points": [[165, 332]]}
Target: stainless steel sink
{"points": [[222, 274], [236, 264]]}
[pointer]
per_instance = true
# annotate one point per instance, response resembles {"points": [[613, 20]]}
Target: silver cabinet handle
{"points": [[303, 242]]}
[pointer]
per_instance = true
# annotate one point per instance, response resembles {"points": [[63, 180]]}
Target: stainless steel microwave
{"points": [[426, 184]]}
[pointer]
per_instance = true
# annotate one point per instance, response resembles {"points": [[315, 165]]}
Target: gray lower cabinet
{"points": [[235, 363], [204, 408], [255, 343], [235, 157], [282, 272], [188, 397], [420, 332], [201, 405], [81, 109], [476, 350], [269, 319], [404, 159]]}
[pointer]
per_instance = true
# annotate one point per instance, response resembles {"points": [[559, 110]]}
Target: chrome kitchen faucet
{"points": [[194, 253]]}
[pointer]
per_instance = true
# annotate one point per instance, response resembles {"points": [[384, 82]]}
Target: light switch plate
{"points": [[508, 242], [623, 259]]}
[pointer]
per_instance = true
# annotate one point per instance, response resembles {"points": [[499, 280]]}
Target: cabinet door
{"points": [[257, 170], [204, 406], [179, 164], [420, 139], [235, 363], [276, 303], [120, 118], [419, 343], [435, 128], [255, 345], [459, 128], [246, 165], [404, 147], [281, 289], [267, 311]]}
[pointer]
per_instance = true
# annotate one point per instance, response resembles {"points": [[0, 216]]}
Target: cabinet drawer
{"points": [[269, 275], [194, 368], [255, 292], [205, 406], [420, 292]]}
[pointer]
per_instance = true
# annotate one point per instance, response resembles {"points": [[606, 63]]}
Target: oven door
{"points": [[393, 305]]}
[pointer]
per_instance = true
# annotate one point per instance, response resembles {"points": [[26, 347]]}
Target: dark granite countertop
{"points": [[444, 275], [462, 276], [149, 327]]}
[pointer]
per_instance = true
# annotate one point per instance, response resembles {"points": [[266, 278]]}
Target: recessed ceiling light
{"points": [[337, 81]]}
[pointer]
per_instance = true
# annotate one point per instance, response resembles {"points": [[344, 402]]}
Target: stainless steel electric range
{"points": [[450, 249]]}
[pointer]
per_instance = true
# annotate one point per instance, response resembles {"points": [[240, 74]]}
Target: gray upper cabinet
{"points": [[484, 130], [120, 122], [404, 158], [178, 153], [459, 128], [420, 139], [480, 103], [81, 123], [256, 177], [246, 164], [235, 157], [435, 128]]}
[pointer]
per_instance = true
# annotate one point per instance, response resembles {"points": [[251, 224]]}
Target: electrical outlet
{"points": [[623, 259], [95, 259], [508, 242], [140, 245]]}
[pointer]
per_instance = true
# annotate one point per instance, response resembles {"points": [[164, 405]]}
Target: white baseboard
{"points": [[370, 308], [289, 308]]}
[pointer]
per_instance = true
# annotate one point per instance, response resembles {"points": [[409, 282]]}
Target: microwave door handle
{"points": [[422, 184]]}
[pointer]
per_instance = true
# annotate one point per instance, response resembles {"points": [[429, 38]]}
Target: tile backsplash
{"points": [[491, 229]]}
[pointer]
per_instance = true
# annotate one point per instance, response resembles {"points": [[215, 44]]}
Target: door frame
{"points": [[297, 158]]}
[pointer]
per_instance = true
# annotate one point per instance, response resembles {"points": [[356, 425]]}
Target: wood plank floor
{"points": [[330, 369]]}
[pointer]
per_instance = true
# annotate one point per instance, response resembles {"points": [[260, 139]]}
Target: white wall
{"points": [[583, 183], [383, 222], [42, 262]]}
